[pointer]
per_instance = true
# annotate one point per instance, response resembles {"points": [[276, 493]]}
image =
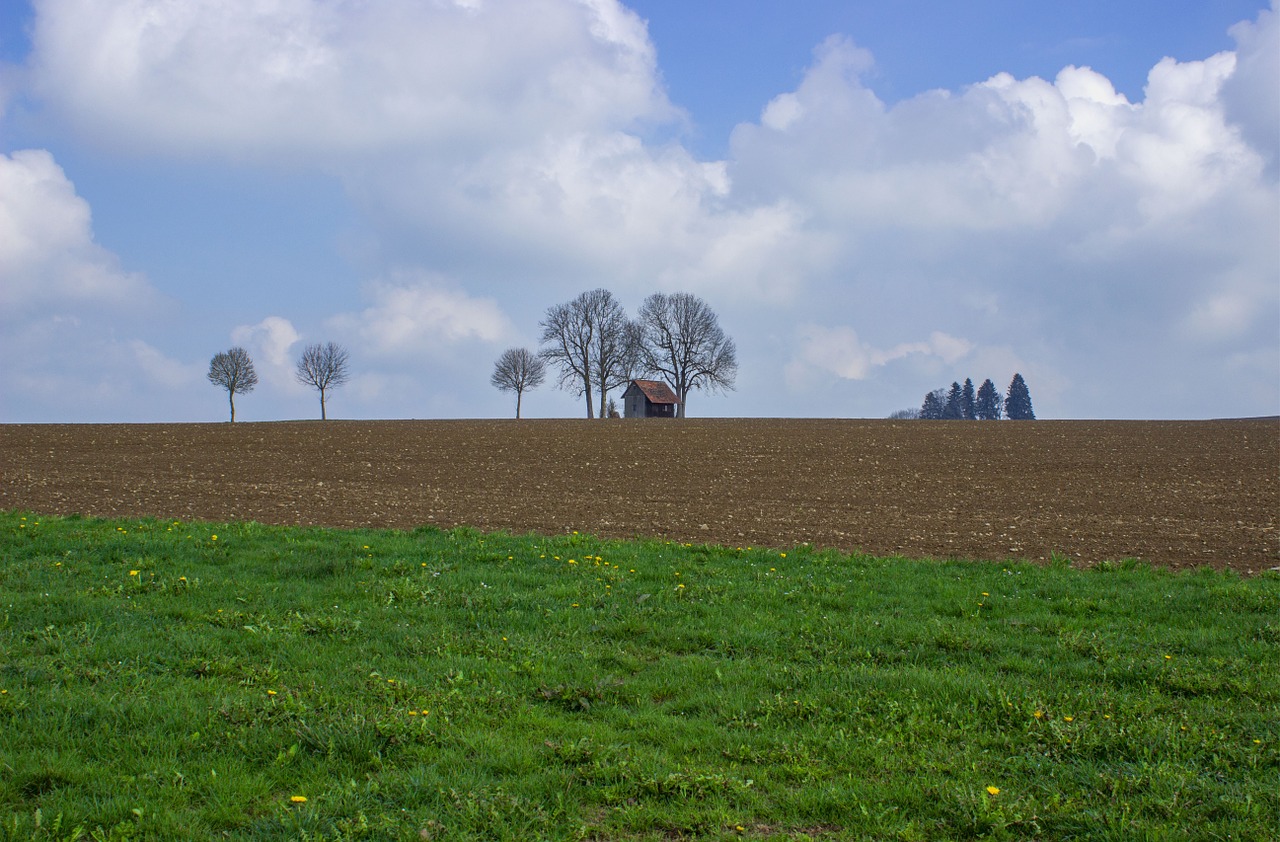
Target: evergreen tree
{"points": [[933, 405], [987, 405], [952, 409], [1017, 403], [968, 408]]}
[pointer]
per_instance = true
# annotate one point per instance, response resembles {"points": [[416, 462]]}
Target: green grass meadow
{"points": [[174, 680]]}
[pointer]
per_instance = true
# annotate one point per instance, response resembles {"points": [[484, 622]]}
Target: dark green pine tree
{"points": [[987, 405], [1017, 402], [968, 408], [932, 408], [952, 410]]}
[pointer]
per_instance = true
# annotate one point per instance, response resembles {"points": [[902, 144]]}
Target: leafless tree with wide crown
{"points": [[323, 367], [516, 370], [681, 340], [593, 344], [233, 370]]}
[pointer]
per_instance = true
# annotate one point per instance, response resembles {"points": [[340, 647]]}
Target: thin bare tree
{"points": [[592, 343], [681, 340], [323, 367], [516, 370], [233, 371]]}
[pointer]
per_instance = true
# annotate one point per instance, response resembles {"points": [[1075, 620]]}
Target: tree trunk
{"points": [[232, 397], [322, 415], [517, 404], [680, 406]]}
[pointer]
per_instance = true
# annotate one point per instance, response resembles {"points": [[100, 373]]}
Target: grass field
{"points": [[189, 680]]}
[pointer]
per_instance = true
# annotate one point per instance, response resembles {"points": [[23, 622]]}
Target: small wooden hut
{"points": [[649, 399]]}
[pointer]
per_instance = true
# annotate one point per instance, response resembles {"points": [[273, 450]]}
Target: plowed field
{"points": [[1172, 493]]}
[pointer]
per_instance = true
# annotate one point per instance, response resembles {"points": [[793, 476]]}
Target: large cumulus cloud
{"points": [[1106, 241]]}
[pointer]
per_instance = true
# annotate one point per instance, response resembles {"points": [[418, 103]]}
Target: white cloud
{"points": [[1250, 93], [245, 77], [839, 351], [1093, 234], [48, 258], [414, 312], [272, 338], [69, 312], [269, 343], [161, 369]]}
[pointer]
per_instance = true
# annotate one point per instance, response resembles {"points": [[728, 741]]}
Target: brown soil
{"points": [[1173, 493]]}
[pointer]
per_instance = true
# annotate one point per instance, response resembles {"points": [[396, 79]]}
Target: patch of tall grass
{"points": [[173, 680]]}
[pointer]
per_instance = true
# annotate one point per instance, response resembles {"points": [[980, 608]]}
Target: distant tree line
{"points": [[322, 367], [964, 403], [594, 348]]}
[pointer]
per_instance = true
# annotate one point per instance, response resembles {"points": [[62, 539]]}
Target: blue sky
{"points": [[877, 198]]}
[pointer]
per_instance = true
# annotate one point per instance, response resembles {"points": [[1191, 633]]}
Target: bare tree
{"points": [[323, 367], [516, 370], [681, 340], [592, 343], [233, 371]]}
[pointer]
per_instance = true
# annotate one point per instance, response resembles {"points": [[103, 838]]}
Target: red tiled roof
{"points": [[656, 391]]}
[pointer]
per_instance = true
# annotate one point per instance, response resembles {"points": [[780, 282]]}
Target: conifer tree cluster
{"points": [[964, 403]]}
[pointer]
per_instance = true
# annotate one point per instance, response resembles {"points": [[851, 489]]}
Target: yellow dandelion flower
{"points": [[993, 790], [213, 537], [1068, 719], [298, 799], [784, 555], [271, 692], [133, 572], [1038, 714]]}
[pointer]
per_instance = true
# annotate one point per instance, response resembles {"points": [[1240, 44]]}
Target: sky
{"points": [[876, 198]]}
